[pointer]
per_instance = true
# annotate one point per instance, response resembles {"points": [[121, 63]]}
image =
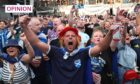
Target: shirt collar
{"points": [[67, 54]]}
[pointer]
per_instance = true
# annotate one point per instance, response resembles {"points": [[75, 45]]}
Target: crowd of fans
{"points": [[73, 49]]}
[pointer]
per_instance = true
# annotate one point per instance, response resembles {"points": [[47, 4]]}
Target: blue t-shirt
{"points": [[97, 62], [41, 71], [68, 71], [42, 38]]}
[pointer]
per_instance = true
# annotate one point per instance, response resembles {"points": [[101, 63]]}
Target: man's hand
{"points": [[24, 20], [118, 10], [36, 63], [22, 37], [45, 57], [96, 78], [72, 10]]}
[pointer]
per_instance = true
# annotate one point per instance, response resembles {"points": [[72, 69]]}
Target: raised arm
{"points": [[104, 44], [31, 36], [30, 52], [71, 17]]}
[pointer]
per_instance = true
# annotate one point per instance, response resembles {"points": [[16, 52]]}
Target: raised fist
{"points": [[23, 37], [24, 20]]}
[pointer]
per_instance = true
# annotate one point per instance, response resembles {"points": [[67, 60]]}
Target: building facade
{"points": [[90, 2]]}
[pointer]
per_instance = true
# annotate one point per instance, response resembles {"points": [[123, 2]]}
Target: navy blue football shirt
{"points": [[68, 71]]}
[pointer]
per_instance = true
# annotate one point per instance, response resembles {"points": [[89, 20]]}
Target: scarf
{"points": [[67, 54]]}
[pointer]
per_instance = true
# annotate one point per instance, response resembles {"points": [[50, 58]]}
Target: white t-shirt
{"points": [[84, 39]]}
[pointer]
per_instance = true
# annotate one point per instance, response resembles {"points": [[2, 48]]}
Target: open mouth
{"points": [[127, 38], [98, 40], [70, 43], [55, 24], [11, 51]]}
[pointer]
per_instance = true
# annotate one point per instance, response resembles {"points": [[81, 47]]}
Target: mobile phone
{"points": [[111, 11], [116, 35], [115, 26]]}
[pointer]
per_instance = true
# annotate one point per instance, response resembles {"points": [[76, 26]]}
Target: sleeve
{"points": [[85, 52], [87, 38], [42, 37], [3, 55], [89, 52], [9, 35], [53, 51]]}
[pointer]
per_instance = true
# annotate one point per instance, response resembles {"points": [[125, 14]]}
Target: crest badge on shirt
{"points": [[77, 63]]}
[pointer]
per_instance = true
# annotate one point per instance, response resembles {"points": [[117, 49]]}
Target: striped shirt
{"points": [[21, 73]]}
